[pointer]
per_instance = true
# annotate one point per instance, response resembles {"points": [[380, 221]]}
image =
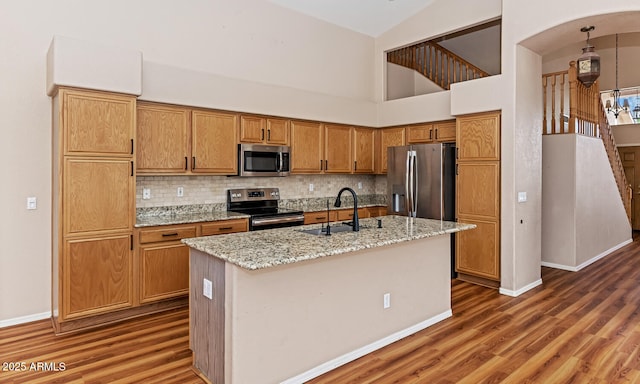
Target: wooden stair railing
{"points": [[436, 63], [570, 107], [614, 159]]}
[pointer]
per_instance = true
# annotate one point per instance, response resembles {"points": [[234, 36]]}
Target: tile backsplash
{"points": [[212, 189]]}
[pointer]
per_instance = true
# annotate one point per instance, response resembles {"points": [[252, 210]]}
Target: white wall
{"points": [[404, 82], [312, 66], [583, 216]]}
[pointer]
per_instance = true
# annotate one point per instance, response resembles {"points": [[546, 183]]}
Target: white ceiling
{"points": [[370, 17]]}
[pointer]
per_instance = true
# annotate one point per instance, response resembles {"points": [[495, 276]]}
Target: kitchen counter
{"points": [[183, 215], [265, 249], [259, 300]]}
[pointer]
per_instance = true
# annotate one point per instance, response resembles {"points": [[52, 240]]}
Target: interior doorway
{"points": [[630, 157]]}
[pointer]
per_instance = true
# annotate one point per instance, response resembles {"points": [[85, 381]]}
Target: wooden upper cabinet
{"points": [[214, 138], [98, 195], [163, 138], [388, 137], [420, 133], [97, 123], [479, 136], [478, 189], [363, 150], [445, 132], [306, 147], [337, 148], [265, 130]]}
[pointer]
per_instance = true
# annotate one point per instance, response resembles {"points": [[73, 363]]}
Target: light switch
{"points": [[522, 197], [32, 203], [207, 289]]}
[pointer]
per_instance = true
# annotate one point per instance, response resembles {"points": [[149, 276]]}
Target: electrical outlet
{"points": [[207, 289], [522, 197], [146, 193], [386, 301], [359, 184], [180, 191], [32, 203], [310, 187]]}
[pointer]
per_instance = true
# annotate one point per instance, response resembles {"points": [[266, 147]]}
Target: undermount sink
{"points": [[335, 228]]}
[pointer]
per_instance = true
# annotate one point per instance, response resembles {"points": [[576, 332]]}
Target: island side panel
{"points": [[290, 319], [206, 316]]}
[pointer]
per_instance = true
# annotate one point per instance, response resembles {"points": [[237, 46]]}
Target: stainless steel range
{"points": [[261, 204]]}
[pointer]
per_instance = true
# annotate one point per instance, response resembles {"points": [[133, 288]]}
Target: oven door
{"points": [[263, 160], [279, 221]]}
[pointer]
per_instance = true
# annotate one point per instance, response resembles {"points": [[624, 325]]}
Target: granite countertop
{"points": [[270, 248], [182, 215], [198, 213]]}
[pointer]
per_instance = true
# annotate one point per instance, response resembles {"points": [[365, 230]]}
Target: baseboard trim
{"points": [[348, 357], [522, 290], [588, 262], [24, 319]]}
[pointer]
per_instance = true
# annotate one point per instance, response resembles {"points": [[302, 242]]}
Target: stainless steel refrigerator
{"points": [[421, 181]]}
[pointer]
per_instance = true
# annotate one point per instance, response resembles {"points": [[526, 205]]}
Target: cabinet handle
{"points": [[436, 133], [224, 228], [262, 134], [321, 165], [132, 146], [320, 217], [326, 165], [170, 234], [355, 165], [268, 135], [186, 163], [132, 168], [456, 153], [430, 134], [193, 163], [131, 242]]}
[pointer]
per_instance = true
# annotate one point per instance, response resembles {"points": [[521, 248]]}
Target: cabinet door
{"points": [[252, 129], [164, 271], [337, 148], [389, 137], [306, 147], [96, 275], [319, 217], [477, 250], [363, 150], [214, 143], [478, 189], [420, 133], [277, 131], [445, 132], [479, 137], [225, 226], [162, 139], [98, 195], [97, 123]]}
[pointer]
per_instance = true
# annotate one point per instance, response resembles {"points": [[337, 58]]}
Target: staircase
{"points": [[436, 63], [570, 107]]}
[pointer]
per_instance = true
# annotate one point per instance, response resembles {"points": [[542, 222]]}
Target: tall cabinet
{"points": [[93, 204], [478, 198]]}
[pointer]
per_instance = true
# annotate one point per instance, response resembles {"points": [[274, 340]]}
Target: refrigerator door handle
{"points": [[415, 191], [407, 175]]}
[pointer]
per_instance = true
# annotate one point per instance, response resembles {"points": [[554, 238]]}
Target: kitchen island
{"points": [[284, 306]]}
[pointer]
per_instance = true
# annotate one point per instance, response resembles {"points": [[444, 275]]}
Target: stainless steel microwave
{"points": [[263, 160]]}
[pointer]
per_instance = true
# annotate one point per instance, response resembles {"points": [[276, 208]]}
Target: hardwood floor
{"points": [[578, 327]]}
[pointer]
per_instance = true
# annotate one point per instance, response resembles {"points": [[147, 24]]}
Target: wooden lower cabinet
{"points": [[319, 217], [164, 271], [97, 275], [225, 226], [476, 249]]}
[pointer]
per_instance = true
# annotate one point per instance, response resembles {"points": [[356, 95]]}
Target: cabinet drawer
{"points": [[167, 234], [347, 214], [225, 226], [319, 217]]}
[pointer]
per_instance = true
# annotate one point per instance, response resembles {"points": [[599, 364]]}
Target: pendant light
{"points": [[588, 62], [616, 108]]}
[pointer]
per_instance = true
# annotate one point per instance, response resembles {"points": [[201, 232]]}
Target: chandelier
{"points": [[617, 108]]}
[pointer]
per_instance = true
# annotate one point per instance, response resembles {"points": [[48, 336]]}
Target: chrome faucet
{"points": [[355, 223]]}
